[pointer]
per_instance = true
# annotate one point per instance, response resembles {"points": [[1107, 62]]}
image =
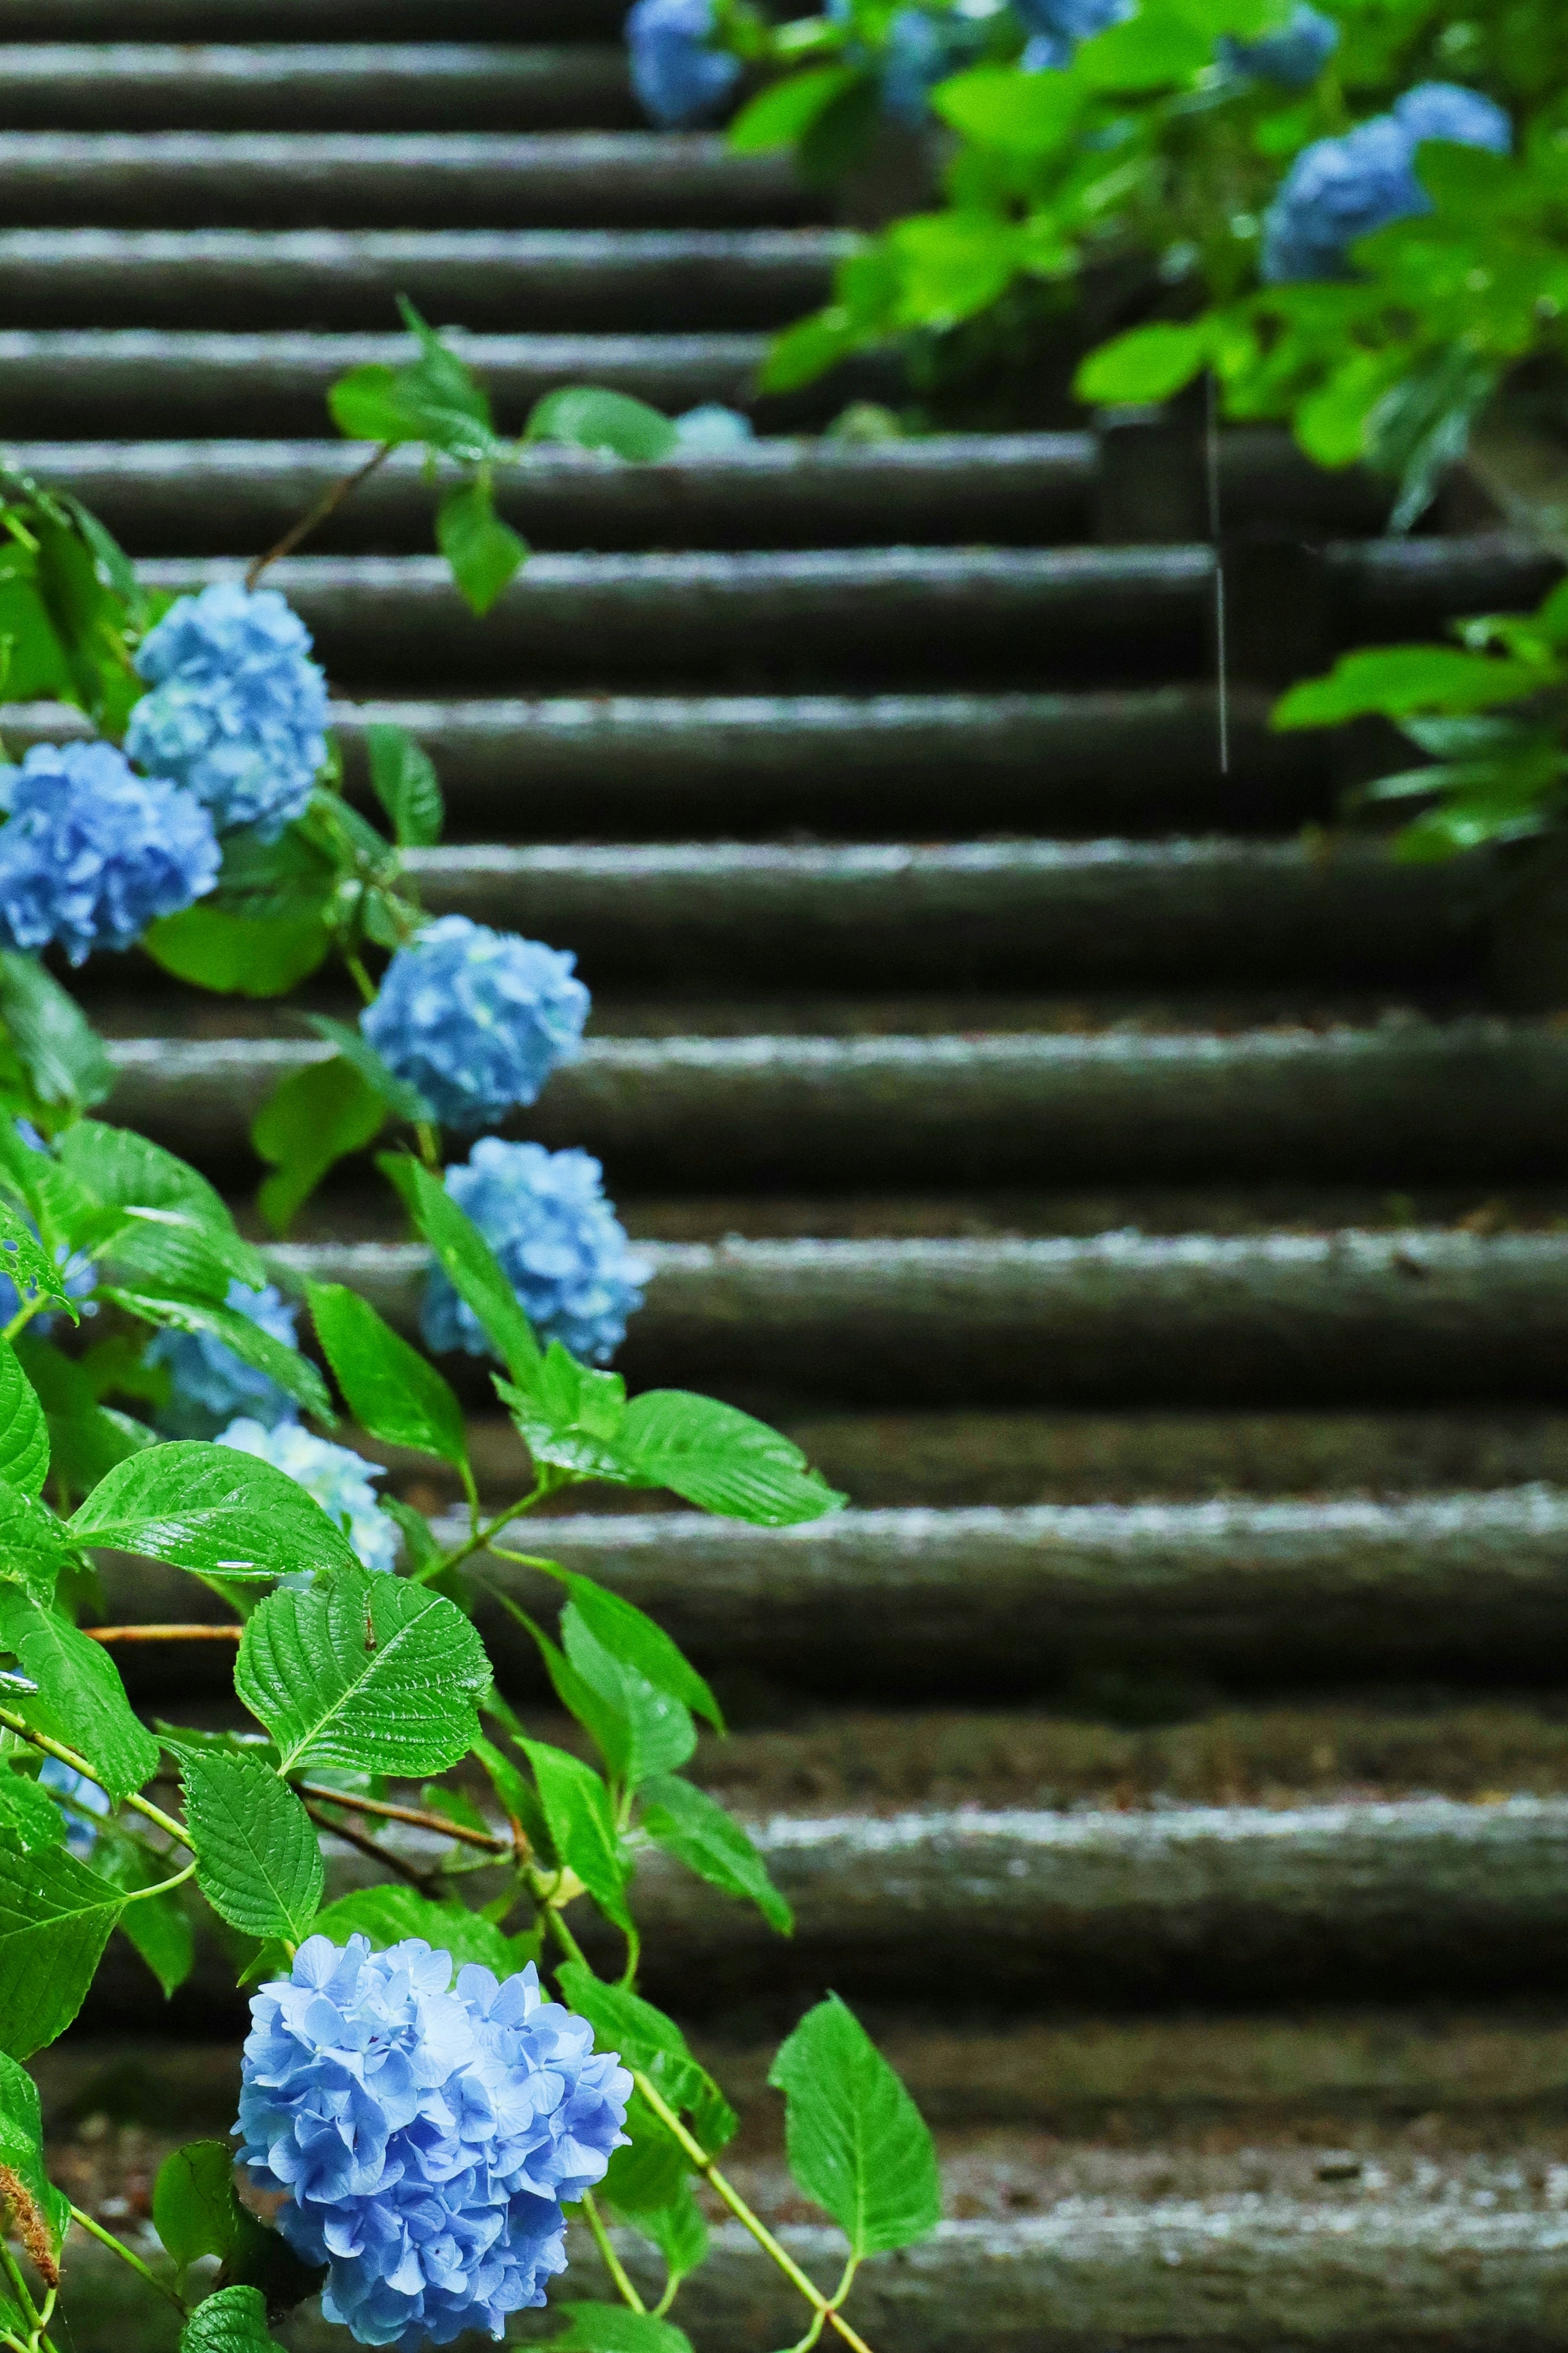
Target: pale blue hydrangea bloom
{"points": [[1292, 57], [338, 1478], [1056, 26], [921, 51], [425, 2134], [564, 1250], [65, 1781], [238, 710], [675, 73], [712, 427], [476, 1019], [1338, 190], [91, 854], [209, 1384]]}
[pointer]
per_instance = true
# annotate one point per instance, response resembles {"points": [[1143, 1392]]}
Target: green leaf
{"points": [[692, 1826], [570, 1416], [469, 1263], [1147, 364], [194, 2209], [403, 778], [856, 2141], [23, 1434], [589, 418], [396, 1093], [389, 1387], [313, 1118], [128, 1171], [55, 1918], [783, 113], [29, 1266], [434, 399], [952, 265], [212, 1510], [232, 2321], [87, 1439], [34, 1547], [657, 1731], [258, 1859], [677, 2229], [81, 1699], [632, 1636], [617, 2329], [484, 552], [156, 1926], [29, 1818], [166, 1250], [387, 1914], [1398, 680], [582, 1826], [647, 2174], [293, 1372], [1023, 114], [1154, 49], [238, 954], [653, 2043], [368, 1672], [64, 1058], [40, 2214], [518, 1798], [600, 1716], [722, 1460]]}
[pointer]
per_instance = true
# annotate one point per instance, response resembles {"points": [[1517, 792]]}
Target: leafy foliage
{"points": [[258, 1862], [854, 2139]]}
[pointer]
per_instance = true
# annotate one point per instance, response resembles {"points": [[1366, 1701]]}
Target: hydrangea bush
{"points": [[447, 2064]]}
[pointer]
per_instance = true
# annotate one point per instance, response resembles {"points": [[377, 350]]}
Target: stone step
{"points": [[1410, 1102], [637, 766], [1058, 616], [149, 382], [315, 86], [1079, 1602], [1125, 1319], [444, 180], [204, 21], [333, 279]]}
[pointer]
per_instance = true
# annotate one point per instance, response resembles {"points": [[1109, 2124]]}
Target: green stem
{"points": [[19, 2288], [14, 1723], [358, 975], [107, 2239], [140, 1894], [45, 2314], [327, 504], [699, 2158], [480, 1538], [22, 1318], [613, 2263], [429, 1144]]}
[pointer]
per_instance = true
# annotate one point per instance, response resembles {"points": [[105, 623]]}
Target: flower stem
{"points": [[107, 2239], [613, 2263], [14, 1723], [327, 504]]}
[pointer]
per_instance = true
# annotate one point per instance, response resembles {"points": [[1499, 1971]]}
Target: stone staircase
{"points": [[1137, 1201]]}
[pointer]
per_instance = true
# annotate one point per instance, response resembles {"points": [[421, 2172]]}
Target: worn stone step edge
{"points": [[126, 85], [916, 1603], [1406, 1317], [646, 765], [444, 180], [1174, 2271], [201, 21]]}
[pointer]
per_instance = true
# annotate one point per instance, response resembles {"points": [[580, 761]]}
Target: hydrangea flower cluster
{"points": [[476, 1019], [564, 1250], [678, 77], [425, 2134], [209, 1384], [921, 51], [1292, 58], [1338, 190], [91, 854], [1056, 26], [337, 1477], [65, 1781], [238, 710]]}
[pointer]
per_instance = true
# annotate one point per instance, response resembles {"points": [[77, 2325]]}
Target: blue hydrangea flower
{"points": [[919, 52], [1338, 190], [425, 2134], [209, 1384], [476, 1019], [238, 710], [564, 1250], [91, 854], [1056, 26], [65, 1781], [338, 1478], [675, 73], [1292, 57], [714, 426]]}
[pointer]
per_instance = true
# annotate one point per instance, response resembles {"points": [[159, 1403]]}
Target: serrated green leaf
{"points": [[570, 1416], [24, 1434], [484, 552], [166, 1250], [157, 1926], [694, 1828], [390, 1391], [387, 1914], [722, 1460], [785, 111], [617, 2329], [40, 2214], [239, 954], [293, 1372], [678, 2229], [582, 1826], [1398, 680], [403, 778], [654, 2045], [232, 2321], [29, 1267], [29, 1818], [34, 1547], [590, 418], [194, 2209], [397, 1095], [856, 2141], [469, 1263], [656, 1732], [212, 1510], [631, 1635], [81, 1699], [648, 2173], [55, 1918], [66, 1061], [125, 1171], [369, 1673], [312, 1119], [258, 1859]]}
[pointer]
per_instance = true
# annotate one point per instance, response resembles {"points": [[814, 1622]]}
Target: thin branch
{"points": [[191, 1633], [421, 1821], [14, 1723], [327, 504], [350, 1836], [107, 2239]]}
